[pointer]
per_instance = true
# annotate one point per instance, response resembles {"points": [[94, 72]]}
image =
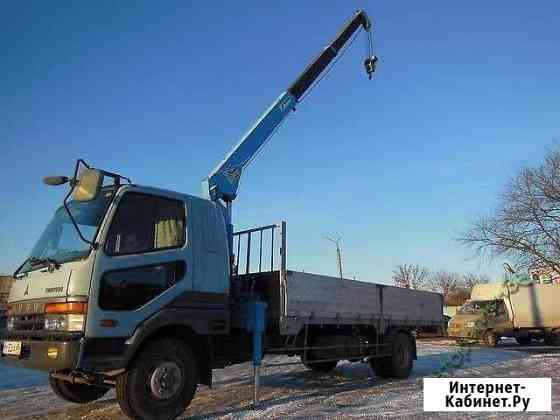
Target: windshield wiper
{"points": [[44, 260], [33, 261]]}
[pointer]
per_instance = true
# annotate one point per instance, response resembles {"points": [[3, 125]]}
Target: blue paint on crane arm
{"points": [[223, 182]]}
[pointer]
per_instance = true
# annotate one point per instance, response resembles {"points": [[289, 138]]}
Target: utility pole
{"points": [[338, 256]]}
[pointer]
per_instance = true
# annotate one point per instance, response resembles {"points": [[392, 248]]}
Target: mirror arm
{"points": [[72, 217]]}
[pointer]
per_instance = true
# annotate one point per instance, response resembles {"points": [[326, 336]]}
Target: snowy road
{"points": [[351, 391]]}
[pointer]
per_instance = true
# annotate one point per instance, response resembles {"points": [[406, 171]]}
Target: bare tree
{"points": [[411, 276], [526, 225], [469, 280], [457, 297], [445, 282]]}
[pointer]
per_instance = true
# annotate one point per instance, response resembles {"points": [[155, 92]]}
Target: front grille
{"points": [[29, 322], [25, 352]]}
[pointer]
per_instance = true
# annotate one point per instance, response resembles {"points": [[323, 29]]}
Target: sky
{"points": [[466, 94]]}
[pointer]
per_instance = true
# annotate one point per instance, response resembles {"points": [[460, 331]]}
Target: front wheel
{"points": [[490, 339], [161, 382], [76, 393], [553, 339], [523, 341]]}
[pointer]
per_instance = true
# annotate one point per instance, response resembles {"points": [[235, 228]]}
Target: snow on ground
{"points": [[294, 391], [19, 378]]}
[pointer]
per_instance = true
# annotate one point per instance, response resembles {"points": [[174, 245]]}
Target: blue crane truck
{"points": [[147, 290]]}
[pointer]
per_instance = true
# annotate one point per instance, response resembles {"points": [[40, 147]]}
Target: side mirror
{"points": [[88, 185], [55, 180]]}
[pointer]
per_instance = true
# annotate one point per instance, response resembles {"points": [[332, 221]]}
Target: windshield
{"points": [[494, 306], [60, 240]]}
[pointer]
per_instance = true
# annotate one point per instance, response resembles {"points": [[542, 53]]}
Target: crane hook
{"points": [[369, 63]]}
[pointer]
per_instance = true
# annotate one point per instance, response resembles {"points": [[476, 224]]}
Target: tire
{"points": [[552, 340], [76, 393], [321, 367], [381, 366], [399, 365], [160, 383], [490, 339], [523, 341]]}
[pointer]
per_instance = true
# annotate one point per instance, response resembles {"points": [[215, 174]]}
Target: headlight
{"points": [[471, 324], [10, 323], [68, 322]]}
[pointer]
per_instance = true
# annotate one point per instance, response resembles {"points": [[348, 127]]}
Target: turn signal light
{"points": [[66, 308]]}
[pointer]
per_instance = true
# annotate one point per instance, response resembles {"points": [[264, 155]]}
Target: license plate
{"points": [[13, 348]]}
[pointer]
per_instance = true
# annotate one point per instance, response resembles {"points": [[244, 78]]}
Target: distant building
{"points": [[5, 286], [544, 275]]}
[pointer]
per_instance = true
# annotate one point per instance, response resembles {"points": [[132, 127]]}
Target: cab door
{"points": [[502, 322], [143, 262]]}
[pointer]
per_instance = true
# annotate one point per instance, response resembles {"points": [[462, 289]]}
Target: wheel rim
{"points": [[166, 380]]}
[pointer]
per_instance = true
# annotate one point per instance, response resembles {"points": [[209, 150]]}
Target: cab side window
{"points": [[145, 223]]}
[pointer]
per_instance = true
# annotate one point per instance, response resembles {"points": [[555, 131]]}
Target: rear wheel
{"points": [[161, 382], [523, 341], [381, 366], [490, 339], [76, 393], [399, 364]]}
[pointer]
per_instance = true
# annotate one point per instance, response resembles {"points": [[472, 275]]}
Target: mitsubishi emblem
{"points": [[26, 290]]}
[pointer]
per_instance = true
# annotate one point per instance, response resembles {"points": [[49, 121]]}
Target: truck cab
{"points": [[485, 320], [518, 309], [154, 258]]}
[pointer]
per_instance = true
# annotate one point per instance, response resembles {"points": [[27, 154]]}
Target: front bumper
{"points": [[462, 332], [35, 354]]}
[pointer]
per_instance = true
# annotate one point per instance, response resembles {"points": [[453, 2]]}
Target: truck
{"points": [[147, 290], [525, 312]]}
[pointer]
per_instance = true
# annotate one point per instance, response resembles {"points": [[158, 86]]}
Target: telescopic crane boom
{"points": [[223, 181]]}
